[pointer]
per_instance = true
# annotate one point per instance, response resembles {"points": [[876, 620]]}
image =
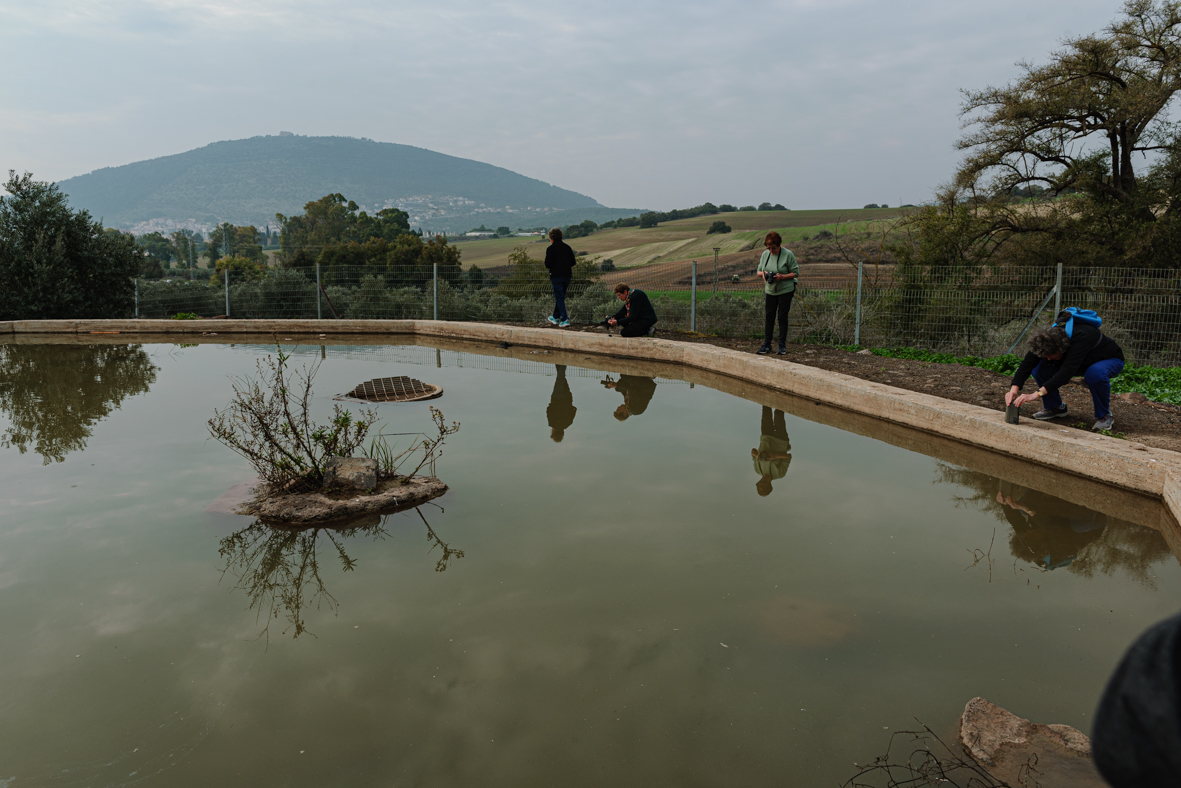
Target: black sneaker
{"points": [[765, 349], [782, 349], [1046, 413]]}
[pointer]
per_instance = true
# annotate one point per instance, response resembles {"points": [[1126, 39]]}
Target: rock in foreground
{"points": [[1013, 749], [316, 507]]}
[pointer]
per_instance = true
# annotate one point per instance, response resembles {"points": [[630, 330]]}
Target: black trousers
{"points": [[635, 329], [777, 305], [775, 426]]}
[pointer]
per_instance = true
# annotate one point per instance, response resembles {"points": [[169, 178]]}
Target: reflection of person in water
{"points": [[637, 393], [1047, 531], [561, 408], [773, 457]]}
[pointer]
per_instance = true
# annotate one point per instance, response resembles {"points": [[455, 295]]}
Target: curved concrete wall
{"points": [[1061, 452]]}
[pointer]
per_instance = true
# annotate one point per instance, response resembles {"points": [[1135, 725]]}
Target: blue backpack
{"points": [[1073, 313]]}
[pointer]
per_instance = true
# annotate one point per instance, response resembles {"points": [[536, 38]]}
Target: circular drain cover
{"points": [[400, 389]]}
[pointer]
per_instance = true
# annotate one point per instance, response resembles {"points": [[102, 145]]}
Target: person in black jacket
{"points": [[637, 317], [559, 259], [561, 410], [1055, 356]]}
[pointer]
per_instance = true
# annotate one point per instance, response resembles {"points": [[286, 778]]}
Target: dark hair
{"points": [[621, 288], [773, 238], [555, 234], [1050, 341]]}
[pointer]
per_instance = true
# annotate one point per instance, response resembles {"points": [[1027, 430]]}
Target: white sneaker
{"points": [[552, 319]]}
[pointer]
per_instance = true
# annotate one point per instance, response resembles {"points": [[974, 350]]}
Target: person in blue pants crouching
{"points": [[1054, 358]]}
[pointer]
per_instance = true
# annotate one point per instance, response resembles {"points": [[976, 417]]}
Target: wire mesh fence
{"points": [[979, 311]]}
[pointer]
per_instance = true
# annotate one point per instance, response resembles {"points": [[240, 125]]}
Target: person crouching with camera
{"points": [[636, 318]]}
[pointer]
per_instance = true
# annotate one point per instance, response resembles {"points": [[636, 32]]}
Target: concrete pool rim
{"points": [[1110, 461]]}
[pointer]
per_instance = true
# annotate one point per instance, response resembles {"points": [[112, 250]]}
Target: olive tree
{"points": [[58, 263], [1076, 160]]}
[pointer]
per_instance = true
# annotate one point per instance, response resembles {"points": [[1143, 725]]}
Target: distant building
{"points": [[286, 134]]}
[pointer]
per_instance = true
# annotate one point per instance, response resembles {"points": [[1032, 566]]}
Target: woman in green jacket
{"points": [[780, 271]]}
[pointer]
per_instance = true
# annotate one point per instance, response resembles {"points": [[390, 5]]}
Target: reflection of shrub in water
{"points": [[1111, 545], [55, 394], [279, 566]]}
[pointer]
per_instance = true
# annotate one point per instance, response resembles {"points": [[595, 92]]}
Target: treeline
{"points": [[653, 218], [185, 248], [335, 235]]}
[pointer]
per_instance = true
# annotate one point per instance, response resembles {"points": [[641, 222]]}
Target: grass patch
{"points": [[1159, 384]]}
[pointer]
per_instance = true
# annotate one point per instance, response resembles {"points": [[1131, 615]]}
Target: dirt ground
{"points": [[1136, 418]]}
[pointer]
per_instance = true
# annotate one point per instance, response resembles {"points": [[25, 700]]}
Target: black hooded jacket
{"points": [[1088, 345]]}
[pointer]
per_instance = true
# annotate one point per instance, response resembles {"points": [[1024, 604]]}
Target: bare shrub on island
{"points": [[269, 422]]}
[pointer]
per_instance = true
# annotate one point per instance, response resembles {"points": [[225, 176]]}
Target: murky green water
{"points": [[623, 607]]}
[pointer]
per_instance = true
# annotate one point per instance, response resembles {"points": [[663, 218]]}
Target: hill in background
{"points": [[249, 181]]}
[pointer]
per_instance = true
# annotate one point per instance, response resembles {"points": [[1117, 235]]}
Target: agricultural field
{"points": [[685, 239]]}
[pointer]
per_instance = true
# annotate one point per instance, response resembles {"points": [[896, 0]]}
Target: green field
{"points": [[684, 239]]}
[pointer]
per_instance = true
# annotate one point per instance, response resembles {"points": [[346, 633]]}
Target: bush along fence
{"points": [[980, 311]]}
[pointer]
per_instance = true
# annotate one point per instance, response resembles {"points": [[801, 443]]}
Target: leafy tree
{"points": [[648, 219], [718, 227], [778, 207], [747, 208], [437, 250], [157, 247], [766, 206], [1072, 127], [726, 208], [474, 277], [502, 231], [334, 219], [871, 205], [242, 269], [58, 263], [150, 268], [184, 247], [242, 242], [348, 243]]}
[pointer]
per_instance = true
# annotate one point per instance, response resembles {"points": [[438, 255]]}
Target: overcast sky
{"points": [[637, 104]]}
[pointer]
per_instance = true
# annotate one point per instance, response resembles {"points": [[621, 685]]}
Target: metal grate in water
{"points": [[399, 389]]}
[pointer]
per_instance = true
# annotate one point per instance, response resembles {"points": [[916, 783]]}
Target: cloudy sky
{"points": [[637, 104]]}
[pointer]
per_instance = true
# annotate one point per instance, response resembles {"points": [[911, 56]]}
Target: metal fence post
{"points": [[436, 289], [857, 319], [693, 301], [227, 291], [716, 250], [319, 312], [137, 297], [1058, 292]]}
